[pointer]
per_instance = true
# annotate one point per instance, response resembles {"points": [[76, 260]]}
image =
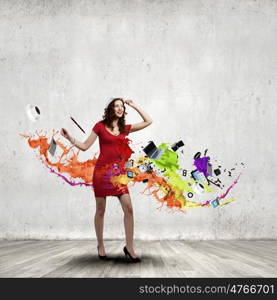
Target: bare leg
{"points": [[126, 204], [99, 222]]}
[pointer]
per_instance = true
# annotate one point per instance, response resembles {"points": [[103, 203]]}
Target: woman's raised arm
{"points": [[146, 118]]}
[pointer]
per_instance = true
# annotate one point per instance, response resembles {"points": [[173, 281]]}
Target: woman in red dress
{"points": [[114, 152]]}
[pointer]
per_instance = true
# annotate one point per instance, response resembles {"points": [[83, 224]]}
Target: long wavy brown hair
{"points": [[109, 116]]}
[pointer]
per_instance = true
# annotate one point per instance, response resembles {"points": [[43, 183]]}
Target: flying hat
{"points": [[32, 112]]}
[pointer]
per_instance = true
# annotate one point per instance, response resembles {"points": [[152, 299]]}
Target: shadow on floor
{"points": [[116, 259]]}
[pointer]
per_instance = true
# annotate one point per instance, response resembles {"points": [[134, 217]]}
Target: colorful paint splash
{"points": [[161, 177]]}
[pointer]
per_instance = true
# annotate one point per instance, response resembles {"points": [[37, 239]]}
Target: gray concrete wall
{"points": [[206, 72]]}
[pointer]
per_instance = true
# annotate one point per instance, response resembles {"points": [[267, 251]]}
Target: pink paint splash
{"points": [[229, 188], [72, 183]]}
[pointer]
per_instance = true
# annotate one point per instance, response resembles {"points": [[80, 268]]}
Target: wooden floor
{"points": [[41, 258]]}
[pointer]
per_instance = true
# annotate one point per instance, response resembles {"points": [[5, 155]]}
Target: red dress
{"points": [[114, 153]]}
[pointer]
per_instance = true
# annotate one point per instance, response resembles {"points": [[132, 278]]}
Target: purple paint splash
{"points": [[202, 164]]}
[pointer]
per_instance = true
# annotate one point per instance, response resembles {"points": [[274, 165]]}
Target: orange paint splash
{"points": [[68, 161]]}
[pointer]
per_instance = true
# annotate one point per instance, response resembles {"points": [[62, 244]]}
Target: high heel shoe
{"points": [[104, 257], [127, 254]]}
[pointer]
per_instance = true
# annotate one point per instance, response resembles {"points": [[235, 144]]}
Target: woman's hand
{"points": [[65, 133], [130, 102]]}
